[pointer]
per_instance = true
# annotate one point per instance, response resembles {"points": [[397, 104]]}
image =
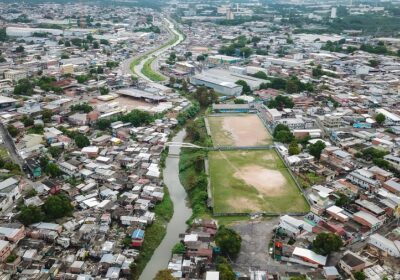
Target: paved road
{"points": [[182, 213], [171, 28]]}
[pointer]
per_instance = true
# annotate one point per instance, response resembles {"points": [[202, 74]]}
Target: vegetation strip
{"points": [[154, 234]]}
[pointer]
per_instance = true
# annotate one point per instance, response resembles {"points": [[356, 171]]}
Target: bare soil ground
{"points": [[266, 181], [126, 102], [240, 130]]}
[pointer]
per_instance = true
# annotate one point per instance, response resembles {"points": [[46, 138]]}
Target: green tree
{"points": [[294, 148], [283, 134], [200, 57], [343, 200], [3, 35], [225, 269], [53, 170], [179, 248], [261, 75], [205, 96], [12, 130], [327, 242], [104, 90], [46, 115], [24, 87], [229, 241], [380, 118], [165, 274], [82, 141], [27, 121], [55, 152], [316, 149], [246, 88], [359, 275], [280, 102], [82, 107], [30, 214], [57, 206], [20, 49], [246, 52], [373, 63], [96, 45]]}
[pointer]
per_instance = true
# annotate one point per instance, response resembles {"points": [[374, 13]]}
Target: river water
{"points": [[182, 212]]}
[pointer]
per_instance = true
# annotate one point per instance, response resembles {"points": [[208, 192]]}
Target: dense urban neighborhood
{"points": [[216, 140]]}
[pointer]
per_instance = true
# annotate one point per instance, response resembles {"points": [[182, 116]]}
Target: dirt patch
{"points": [[246, 130], [267, 181], [239, 130], [243, 204]]}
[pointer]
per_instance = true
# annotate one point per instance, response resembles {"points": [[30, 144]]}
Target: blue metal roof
{"points": [[138, 234]]}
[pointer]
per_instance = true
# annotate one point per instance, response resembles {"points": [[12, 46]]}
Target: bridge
{"points": [[183, 145], [218, 148]]}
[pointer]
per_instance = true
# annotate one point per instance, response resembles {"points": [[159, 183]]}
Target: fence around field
{"points": [[265, 147]]}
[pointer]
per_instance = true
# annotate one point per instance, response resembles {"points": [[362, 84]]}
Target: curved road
{"points": [[171, 28], [182, 212]]}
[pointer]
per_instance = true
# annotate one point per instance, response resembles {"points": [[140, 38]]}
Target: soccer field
{"points": [[253, 181], [238, 130]]}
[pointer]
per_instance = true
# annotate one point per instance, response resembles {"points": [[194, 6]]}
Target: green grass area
{"points": [[194, 180], [148, 71], [7, 164], [154, 234], [230, 172], [4, 154], [309, 179]]}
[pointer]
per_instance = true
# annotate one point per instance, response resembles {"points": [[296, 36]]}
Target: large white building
{"points": [[390, 118], [14, 31]]}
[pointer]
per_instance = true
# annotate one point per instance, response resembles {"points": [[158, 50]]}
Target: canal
{"points": [[182, 212]]}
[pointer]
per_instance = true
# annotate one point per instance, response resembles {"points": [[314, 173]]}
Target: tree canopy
{"points": [[225, 269], [57, 206], [316, 149], [327, 242], [205, 96], [380, 118], [229, 241], [81, 141], [245, 87], [280, 102], [283, 134], [165, 274], [30, 214]]}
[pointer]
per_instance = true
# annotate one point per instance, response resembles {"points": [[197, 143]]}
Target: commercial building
{"points": [[231, 108], [14, 31], [223, 87]]}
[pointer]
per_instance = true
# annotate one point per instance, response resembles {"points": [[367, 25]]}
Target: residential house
{"points": [[5, 250], [389, 247]]}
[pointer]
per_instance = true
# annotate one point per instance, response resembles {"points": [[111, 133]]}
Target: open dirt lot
{"points": [[252, 181], [238, 130], [125, 102], [256, 235]]}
